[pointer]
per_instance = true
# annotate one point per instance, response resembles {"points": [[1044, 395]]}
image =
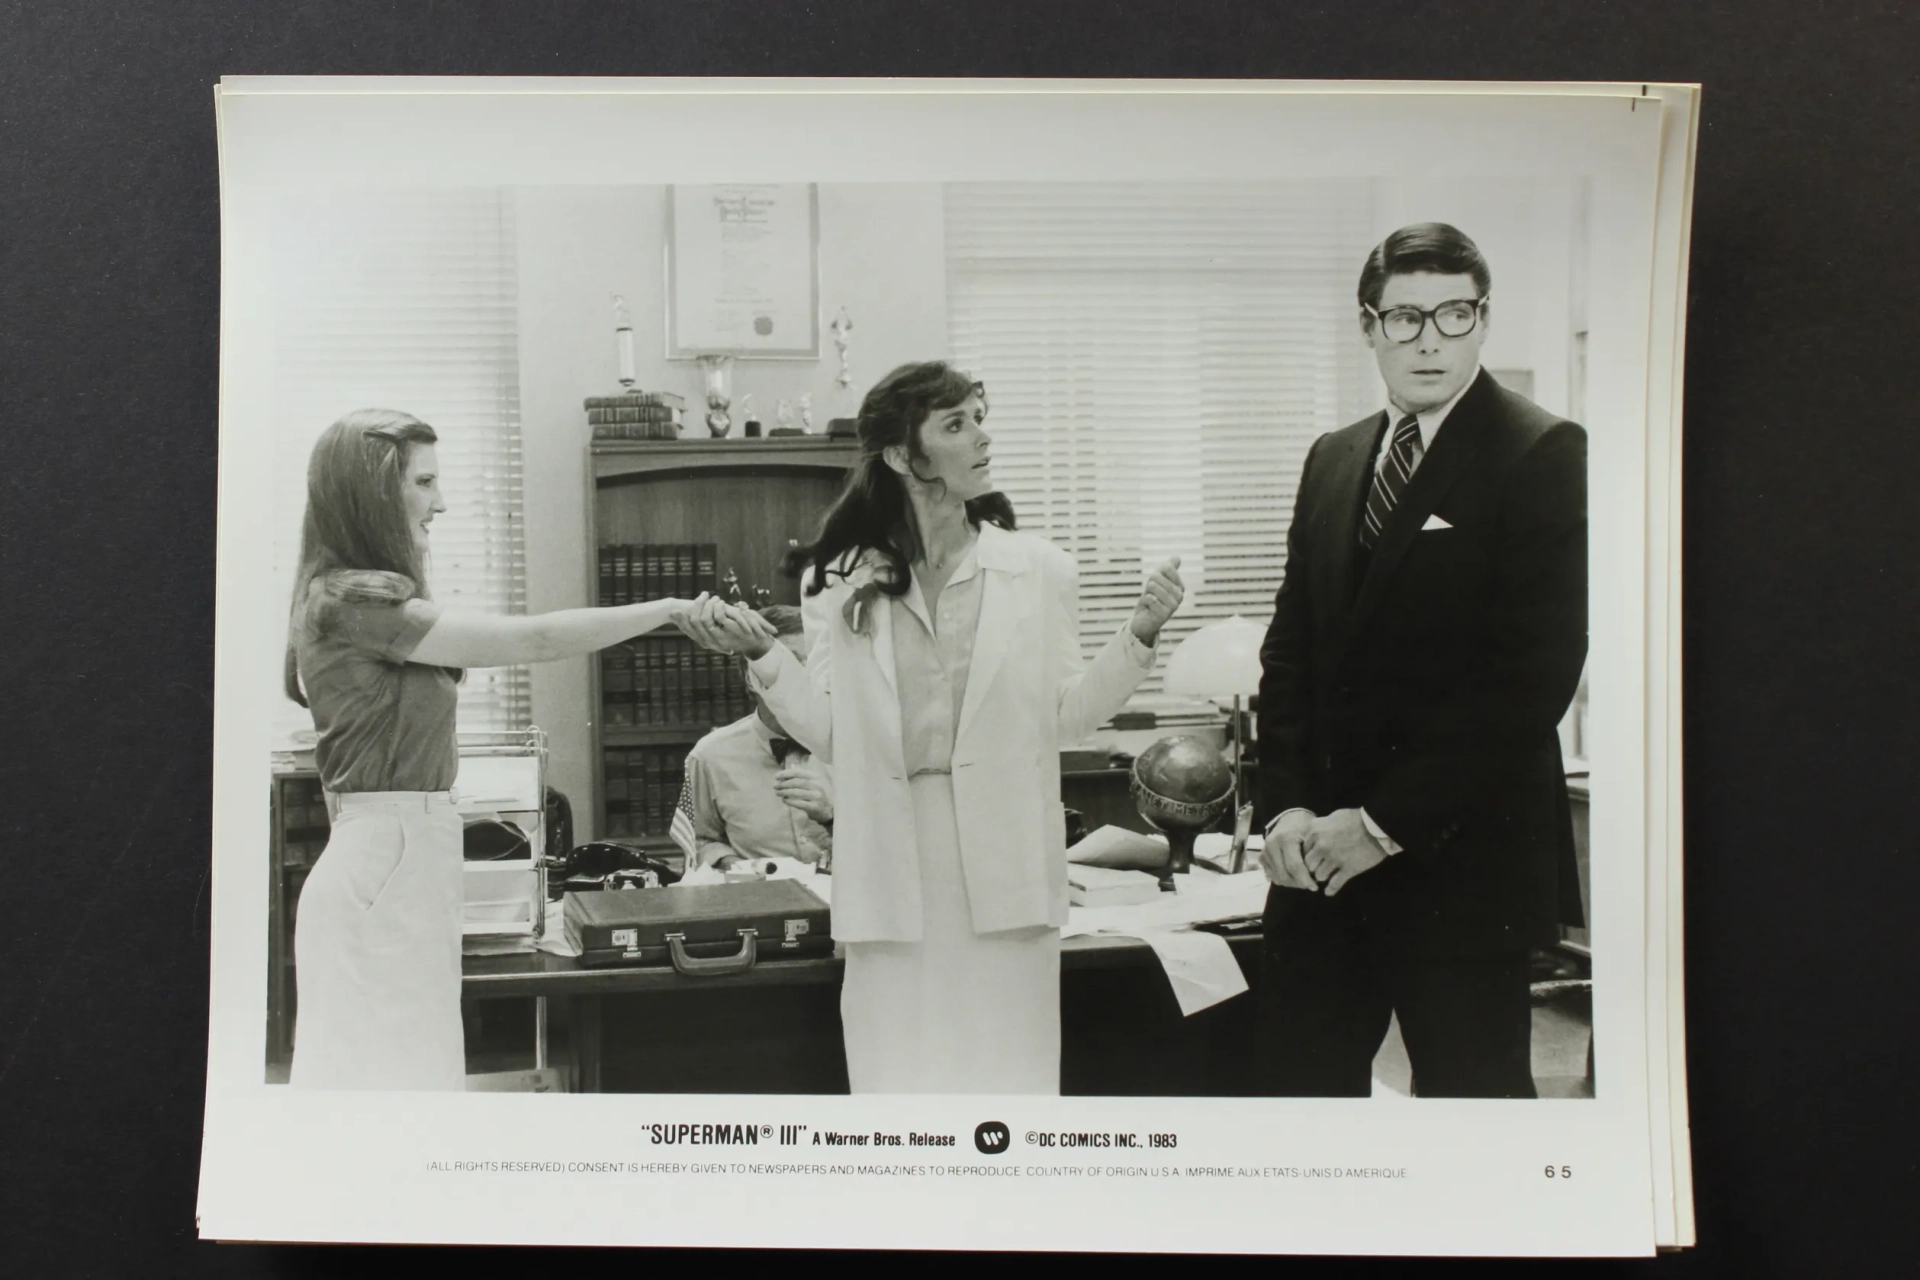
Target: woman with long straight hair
{"points": [[945, 674], [377, 938]]}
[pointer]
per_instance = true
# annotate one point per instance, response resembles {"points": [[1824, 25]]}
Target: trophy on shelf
{"points": [[623, 332], [716, 371], [842, 326], [1181, 785]]}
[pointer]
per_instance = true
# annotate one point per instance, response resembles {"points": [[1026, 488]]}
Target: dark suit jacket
{"points": [[1428, 689]]}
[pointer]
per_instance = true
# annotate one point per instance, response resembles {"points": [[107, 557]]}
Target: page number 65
{"points": [[1560, 1171]]}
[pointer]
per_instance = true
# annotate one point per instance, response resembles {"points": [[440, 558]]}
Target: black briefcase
{"points": [[701, 930]]}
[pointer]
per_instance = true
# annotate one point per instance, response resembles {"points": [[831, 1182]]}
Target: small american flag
{"points": [[681, 828]]}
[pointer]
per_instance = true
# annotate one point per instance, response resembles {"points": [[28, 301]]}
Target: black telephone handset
{"points": [[605, 864]]}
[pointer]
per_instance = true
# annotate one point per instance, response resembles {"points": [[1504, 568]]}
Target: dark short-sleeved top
{"points": [[384, 723]]}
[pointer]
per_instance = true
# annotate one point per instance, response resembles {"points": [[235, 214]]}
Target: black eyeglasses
{"points": [[1454, 319]]}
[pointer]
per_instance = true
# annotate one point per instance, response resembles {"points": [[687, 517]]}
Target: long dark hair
{"points": [[873, 514], [355, 534]]}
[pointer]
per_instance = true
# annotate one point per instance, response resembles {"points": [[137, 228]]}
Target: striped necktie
{"points": [[1390, 481]]}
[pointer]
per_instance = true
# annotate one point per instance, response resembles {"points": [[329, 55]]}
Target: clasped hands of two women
{"points": [[726, 627]]}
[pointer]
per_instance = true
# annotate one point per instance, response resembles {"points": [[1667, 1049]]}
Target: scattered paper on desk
{"points": [[1198, 898], [1200, 966], [1118, 847], [1109, 886]]}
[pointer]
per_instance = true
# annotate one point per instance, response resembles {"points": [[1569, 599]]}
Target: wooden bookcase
{"points": [[749, 499]]}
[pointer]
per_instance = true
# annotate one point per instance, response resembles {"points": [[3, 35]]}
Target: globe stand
{"points": [[1179, 861], [1180, 787]]}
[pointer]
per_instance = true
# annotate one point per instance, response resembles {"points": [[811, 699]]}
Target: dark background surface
{"points": [[1802, 615]]}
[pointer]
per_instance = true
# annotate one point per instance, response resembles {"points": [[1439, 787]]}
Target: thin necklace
{"points": [[941, 563]]}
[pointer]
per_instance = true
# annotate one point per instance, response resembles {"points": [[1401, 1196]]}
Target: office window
{"points": [[1158, 359], [409, 300]]}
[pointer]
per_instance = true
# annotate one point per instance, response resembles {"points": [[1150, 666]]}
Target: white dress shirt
{"points": [[1429, 425], [733, 803], [1429, 422]]}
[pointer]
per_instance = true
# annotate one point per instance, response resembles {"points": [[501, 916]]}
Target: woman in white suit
{"points": [[946, 671]]}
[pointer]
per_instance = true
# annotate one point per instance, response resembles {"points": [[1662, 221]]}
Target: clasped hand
{"points": [[1315, 854], [724, 627]]}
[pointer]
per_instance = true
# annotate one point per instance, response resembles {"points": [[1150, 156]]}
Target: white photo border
{"points": [[279, 1165]]}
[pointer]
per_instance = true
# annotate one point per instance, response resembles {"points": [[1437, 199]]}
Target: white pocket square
{"points": [[1434, 522]]}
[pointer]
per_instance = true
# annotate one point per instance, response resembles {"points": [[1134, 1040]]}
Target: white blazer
{"points": [[1029, 690]]}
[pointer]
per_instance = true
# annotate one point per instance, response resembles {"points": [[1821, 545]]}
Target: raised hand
{"points": [[1158, 599]]}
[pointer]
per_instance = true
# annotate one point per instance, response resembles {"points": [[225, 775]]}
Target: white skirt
{"points": [[377, 949], [958, 1011]]}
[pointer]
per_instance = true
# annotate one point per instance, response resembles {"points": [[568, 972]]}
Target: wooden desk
{"points": [[776, 1029]]}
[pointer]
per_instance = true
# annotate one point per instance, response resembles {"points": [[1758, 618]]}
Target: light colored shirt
{"points": [[1429, 423], [932, 656], [730, 775]]}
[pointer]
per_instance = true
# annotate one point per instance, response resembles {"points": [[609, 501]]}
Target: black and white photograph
{"points": [[1141, 421], [808, 653]]}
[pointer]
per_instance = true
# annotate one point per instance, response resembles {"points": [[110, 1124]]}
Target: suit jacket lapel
{"points": [[1453, 449], [1347, 480], [999, 564]]}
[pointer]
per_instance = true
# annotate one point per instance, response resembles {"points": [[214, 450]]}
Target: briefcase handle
{"points": [[713, 966]]}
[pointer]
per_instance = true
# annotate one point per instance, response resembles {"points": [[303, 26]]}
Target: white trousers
{"points": [[377, 948], [958, 1011]]}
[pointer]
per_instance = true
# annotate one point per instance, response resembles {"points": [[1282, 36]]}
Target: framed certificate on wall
{"points": [[743, 271]]}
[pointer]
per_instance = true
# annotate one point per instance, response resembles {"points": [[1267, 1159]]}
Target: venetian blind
{"points": [[1158, 359], [409, 300]]}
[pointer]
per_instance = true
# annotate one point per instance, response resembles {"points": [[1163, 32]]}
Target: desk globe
{"points": [[1181, 786]]}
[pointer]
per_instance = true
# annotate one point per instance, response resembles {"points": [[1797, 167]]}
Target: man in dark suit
{"points": [[1427, 640]]}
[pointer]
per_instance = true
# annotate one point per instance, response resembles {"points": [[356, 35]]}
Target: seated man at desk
{"points": [[751, 792]]}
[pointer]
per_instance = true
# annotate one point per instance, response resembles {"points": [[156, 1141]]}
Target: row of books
{"points": [[667, 680], [641, 786], [638, 415], [653, 571]]}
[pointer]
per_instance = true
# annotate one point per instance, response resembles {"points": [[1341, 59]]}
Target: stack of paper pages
{"points": [[1106, 887]]}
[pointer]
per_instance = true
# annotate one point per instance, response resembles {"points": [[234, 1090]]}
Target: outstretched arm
{"points": [[459, 638]]}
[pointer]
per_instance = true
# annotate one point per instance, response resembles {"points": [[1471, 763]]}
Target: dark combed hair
{"points": [[355, 538], [1425, 246], [873, 513]]}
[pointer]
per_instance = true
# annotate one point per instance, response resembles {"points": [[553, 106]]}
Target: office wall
{"points": [[882, 257]]}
